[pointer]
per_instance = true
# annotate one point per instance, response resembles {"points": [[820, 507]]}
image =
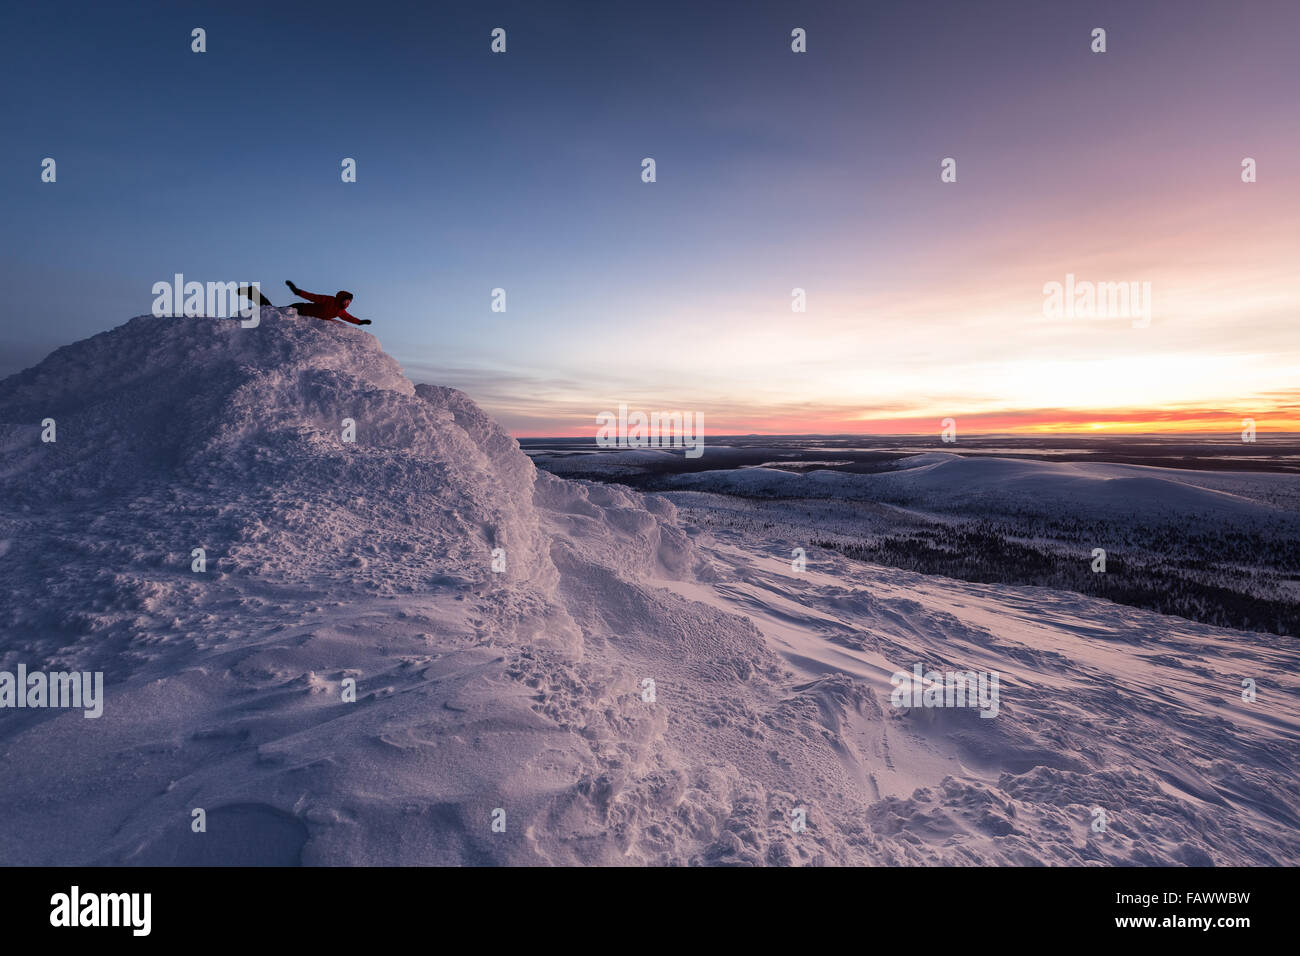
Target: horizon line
{"points": [[934, 435]]}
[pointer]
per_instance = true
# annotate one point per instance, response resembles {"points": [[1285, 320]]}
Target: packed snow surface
{"points": [[507, 716]]}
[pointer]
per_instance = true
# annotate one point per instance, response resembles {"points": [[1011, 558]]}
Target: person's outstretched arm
{"points": [[352, 318]]}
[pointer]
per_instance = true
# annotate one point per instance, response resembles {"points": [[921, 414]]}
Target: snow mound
{"points": [[248, 427], [498, 623]]}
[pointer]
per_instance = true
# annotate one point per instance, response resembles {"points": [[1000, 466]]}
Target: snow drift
{"points": [[626, 690]]}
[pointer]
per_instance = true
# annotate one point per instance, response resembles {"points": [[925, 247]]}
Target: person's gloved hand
{"points": [[292, 288], [363, 321]]}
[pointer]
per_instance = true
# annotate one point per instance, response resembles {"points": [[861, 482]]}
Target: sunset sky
{"points": [[775, 170]]}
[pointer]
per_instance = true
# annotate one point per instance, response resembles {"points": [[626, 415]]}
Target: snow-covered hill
{"points": [[521, 696], [942, 481]]}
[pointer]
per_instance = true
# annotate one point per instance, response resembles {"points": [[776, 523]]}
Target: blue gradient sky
{"points": [[775, 170]]}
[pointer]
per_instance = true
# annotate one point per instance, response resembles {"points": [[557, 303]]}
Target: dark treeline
{"points": [[1197, 576]]}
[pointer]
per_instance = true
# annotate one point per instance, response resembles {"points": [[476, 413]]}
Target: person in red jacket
{"points": [[325, 306]]}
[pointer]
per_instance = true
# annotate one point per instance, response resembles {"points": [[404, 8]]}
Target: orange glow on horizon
{"points": [[1130, 422]]}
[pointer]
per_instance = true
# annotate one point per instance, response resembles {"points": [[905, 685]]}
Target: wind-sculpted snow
{"points": [[239, 431], [631, 687]]}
